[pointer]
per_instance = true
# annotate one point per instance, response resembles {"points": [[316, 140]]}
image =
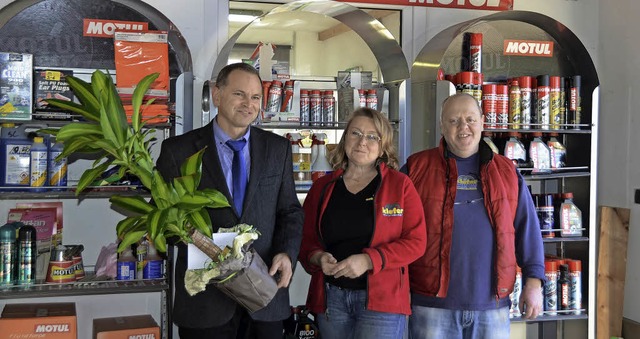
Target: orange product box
{"points": [[43, 320], [136, 326]]}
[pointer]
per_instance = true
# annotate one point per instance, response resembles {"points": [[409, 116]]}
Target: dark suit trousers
{"points": [[241, 326]]}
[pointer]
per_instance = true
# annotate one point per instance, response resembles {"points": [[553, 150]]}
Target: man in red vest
{"points": [[481, 223]]}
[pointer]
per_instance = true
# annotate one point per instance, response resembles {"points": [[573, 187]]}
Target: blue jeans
{"points": [[346, 317], [436, 323]]}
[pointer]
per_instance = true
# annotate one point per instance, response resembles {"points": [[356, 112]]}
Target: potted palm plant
{"points": [[178, 208]]}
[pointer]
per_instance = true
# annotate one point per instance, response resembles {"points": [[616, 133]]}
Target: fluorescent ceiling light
{"points": [[243, 15]]}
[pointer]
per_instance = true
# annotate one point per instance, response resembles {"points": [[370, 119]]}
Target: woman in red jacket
{"points": [[363, 225]]}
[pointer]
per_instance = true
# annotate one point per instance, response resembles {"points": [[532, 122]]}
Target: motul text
{"points": [[528, 48], [52, 328], [106, 28]]}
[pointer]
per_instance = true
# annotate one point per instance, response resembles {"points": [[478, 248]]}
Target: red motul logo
{"points": [[52, 328], [106, 28], [143, 336], [528, 47]]}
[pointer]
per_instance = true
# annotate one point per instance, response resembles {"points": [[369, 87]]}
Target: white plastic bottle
{"points": [[38, 164], [570, 217], [540, 154], [321, 166]]}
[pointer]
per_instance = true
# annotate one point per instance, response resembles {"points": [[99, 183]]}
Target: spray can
{"points": [[525, 100], [575, 102], [8, 236], [287, 97], [502, 106], [275, 95], [57, 166], [315, 108], [304, 107], [544, 208], [265, 94], [372, 99], [362, 96], [542, 102], [478, 78], [564, 288], [154, 263], [38, 164], [328, 108], [27, 255], [575, 278], [551, 288], [554, 100], [489, 105], [475, 52], [515, 116]]}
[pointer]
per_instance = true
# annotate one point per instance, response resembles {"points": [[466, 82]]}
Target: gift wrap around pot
{"points": [[251, 287]]}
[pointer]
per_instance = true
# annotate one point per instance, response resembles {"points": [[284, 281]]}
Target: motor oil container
{"points": [[540, 154], [570, 217], [514, 150], [15, 156]]}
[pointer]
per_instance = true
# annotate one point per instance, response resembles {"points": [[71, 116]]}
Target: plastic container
{"points": [[540, 154], [57, 168], [321, 166], [487, 137], [514, 150], [570, 217], [514, 311], [126, 265], [14, 156], [558, 151], [38, 164], [153, 266]]}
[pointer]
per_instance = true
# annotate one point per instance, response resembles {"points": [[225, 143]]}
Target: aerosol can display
{"points": [[321, 166]]}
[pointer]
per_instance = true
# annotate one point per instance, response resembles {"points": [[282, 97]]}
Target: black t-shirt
{"points": [[347, 226]]}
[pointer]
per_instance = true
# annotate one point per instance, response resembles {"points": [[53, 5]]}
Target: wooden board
{"points": [[612, 266]]}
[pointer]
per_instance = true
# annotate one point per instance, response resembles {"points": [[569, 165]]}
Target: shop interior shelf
{"points": [[60, 123], [305, 125], [566, 239], [556, 173], [561, 315], [69, 192], [90, 285], [584, 129]]}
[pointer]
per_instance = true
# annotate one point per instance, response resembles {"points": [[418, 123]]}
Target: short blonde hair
{"points": [[338, 157]]}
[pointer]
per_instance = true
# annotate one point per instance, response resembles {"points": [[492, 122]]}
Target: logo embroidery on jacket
{"points": [[392, 210]]}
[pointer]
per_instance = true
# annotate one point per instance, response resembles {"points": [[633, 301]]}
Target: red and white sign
{"points": [[528, 48], [487, 5], [106, 28]]}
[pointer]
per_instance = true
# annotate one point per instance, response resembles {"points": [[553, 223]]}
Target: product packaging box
{"points": [[136, 326], [51, 84], [49, 321], [357, 80], [16, 86]]}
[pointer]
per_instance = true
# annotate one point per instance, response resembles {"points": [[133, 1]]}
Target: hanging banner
{"points": [[487, 5]]}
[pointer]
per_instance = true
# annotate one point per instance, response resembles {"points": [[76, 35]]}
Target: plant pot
{"points": [[252, 287]]}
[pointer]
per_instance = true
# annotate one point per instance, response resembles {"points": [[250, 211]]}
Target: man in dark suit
{"points": [[270, 204]]}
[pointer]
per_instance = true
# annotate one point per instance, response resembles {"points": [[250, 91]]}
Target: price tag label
{"points": [[52, 75]]}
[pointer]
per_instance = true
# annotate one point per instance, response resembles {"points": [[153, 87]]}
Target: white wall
{"points": [[619, 164]]}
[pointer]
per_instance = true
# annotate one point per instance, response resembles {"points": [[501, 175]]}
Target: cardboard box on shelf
{"points": [[136, 326], [39, 320]]}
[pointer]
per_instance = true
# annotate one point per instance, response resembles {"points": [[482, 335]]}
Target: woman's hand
{"points": [[352, 267], [325, 260]]}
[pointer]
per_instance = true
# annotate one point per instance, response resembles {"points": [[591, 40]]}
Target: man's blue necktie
{"points": [[239, 173]]}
